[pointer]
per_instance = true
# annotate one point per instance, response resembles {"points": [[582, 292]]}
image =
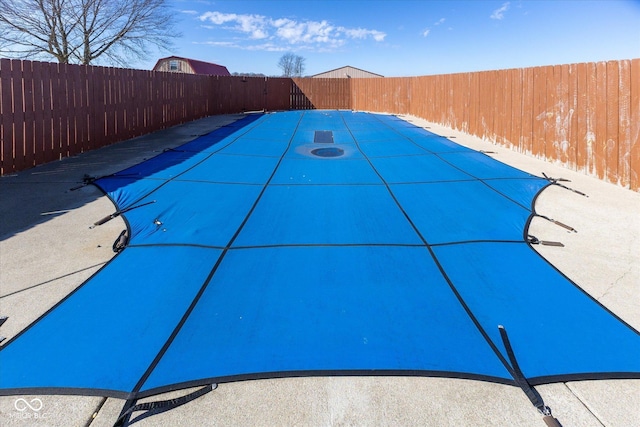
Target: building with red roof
{"points": [[176, 64]]}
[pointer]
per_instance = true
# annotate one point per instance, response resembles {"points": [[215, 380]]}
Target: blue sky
{"points": [[404, 37]]}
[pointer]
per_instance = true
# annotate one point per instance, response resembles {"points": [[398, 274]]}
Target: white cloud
{"points": [[378, 36], [304, 34], [217, 17], [427, 31], [268, 47], [190, 12], [217, 44], [499, 13], [362, 33], [253, 25]]}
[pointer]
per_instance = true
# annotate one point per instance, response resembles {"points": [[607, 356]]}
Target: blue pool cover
{"points": [[319, 243]]}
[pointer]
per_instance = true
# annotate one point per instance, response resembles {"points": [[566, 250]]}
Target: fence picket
{"points": [[6, 119], [29, 114], [18, 114], [633, 156], [612, 117]]}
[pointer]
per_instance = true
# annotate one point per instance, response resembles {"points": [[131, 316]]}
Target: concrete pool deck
{"points": [[47, 250]]}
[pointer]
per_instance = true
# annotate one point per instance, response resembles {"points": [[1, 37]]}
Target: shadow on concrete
{"points": [[36, 195]]}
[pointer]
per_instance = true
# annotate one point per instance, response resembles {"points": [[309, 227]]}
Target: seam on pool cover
{"points": [[178, 327], [464, 305]]}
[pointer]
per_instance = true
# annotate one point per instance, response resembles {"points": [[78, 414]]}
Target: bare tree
{"points": [[291, 65], [298, 66], [286, 64], [81, 31]]}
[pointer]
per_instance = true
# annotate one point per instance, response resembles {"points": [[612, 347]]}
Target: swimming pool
{"points": [[319, 243]]}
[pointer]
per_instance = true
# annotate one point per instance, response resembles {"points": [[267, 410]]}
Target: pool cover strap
{"points": [[86, 180], [152, 408], [118, 213], [2, 320], [121, 242], [522, 382], [555, 181]]}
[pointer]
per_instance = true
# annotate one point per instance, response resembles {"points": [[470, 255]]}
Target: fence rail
{"points": [[585, 116]]}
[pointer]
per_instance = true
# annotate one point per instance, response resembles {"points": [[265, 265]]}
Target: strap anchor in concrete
{"points": [[568, 227], [535, 241], [555, 181]]}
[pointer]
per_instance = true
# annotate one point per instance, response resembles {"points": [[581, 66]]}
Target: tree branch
{"points": [[84, 30]]}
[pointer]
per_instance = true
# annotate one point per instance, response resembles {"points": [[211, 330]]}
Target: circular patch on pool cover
{"points": [[328, 152]]}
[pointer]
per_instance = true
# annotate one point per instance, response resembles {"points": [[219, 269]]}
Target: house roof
{"points": [[200, 67]]}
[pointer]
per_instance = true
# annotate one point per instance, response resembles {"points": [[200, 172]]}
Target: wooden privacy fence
{"points": [[50, 111], [585, 116]]}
